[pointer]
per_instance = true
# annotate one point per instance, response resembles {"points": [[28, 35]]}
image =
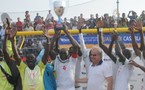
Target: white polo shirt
{"points": [[65, 73], [97, 76]]}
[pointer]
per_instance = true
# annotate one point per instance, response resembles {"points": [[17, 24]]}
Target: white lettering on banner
{"points": [[64, 39], [126, 38]]}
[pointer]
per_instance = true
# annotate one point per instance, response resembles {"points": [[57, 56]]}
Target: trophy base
{"points": [[59, 27]]}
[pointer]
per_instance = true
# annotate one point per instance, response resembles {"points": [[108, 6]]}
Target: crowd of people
{"points": [[29, 24], [59, 68]]}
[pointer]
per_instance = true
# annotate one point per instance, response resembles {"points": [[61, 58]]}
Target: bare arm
{"points": [[82, 80], [137, 65], [134, 44], [54, 41], [72, 40], [6, 55], [109, 82], [47, 47], [105, 49], [118, 52], [15, 51]]}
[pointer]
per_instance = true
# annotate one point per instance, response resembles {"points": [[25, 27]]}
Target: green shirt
{"points": [[4, 84], [32, 79], [9, 48]]}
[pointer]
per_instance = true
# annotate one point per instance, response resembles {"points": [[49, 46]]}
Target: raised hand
{"points": [[65, 29], [139, 25], [80, 30], [58, 33], [100, 24], [45, 33], [12, 33], [133, 63], [114, 35], [132, 25]]}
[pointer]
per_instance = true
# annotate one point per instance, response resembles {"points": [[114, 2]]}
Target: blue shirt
{"points": [[48, 78]]}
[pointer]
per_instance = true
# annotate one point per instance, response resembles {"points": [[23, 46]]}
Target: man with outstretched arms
{"points": [[31, 74], [138, 51], [65, 65]]}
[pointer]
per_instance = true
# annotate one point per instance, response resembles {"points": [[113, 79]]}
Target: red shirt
{"points": [[19, 25]]}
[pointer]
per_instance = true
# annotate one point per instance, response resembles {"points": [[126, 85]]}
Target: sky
{"points": [[17, 8]]}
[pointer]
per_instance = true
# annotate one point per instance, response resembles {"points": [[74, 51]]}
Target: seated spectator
{"points": [[49, 25], [74, 23], [91, 22], [39, 24], [28, 27]]}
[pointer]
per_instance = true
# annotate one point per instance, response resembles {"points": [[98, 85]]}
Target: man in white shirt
{"points": [[98, 72], [65, 64], [49, 16], [138, 51]]}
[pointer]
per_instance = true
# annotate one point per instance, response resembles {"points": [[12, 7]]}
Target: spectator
{"points": [[106, 21], [36, 20], [143, 17], [132, 15], [96, 19], [28, 27], [66, 23], [19, 25], [49, 16], [74, 23], [81, 21], [27, 16], [2, 33], [91, 22], [124, 21]]}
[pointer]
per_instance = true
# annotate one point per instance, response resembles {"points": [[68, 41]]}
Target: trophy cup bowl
{"points": [[59, 7]]}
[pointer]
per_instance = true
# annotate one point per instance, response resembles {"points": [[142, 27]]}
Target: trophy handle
{"points": [[5, 18]]}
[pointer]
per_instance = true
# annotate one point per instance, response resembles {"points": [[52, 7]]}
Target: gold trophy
{"points": [[59, 7]]}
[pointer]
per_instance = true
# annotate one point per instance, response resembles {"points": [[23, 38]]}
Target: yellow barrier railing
{"points": [[105, 30], [22, 42]]}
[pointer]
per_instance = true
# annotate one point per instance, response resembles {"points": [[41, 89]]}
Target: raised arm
{"points": [[54, 41], [72, 40], [118, 51], [17, 57], [108, 51], [137, 65], [82, 42], [134, 43], [47, 47], [6, 55]]}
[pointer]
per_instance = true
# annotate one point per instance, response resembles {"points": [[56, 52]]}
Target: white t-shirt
{"points": [[123, 74], [65, 73], [97, 76]]}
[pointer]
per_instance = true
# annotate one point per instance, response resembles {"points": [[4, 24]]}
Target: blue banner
{"points": [[93, 39]]}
